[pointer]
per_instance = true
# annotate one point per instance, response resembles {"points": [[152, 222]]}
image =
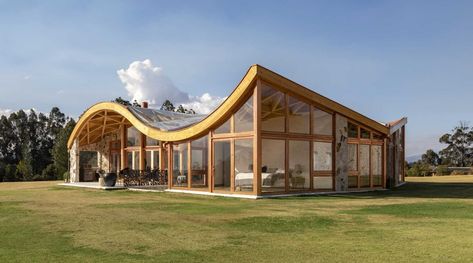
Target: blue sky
{"points": [[385, 59]]}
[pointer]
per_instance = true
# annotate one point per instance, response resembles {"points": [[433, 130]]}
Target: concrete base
{"points": [[93, 185]]}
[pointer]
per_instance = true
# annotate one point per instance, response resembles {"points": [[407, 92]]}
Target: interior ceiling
{"points": [[99, 125]]}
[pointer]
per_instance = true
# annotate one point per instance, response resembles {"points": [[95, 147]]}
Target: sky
{"points": [[384, 59]]}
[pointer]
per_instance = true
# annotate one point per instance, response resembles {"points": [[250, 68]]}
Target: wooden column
{"points": [[211, 168], [142, 151], [123, 163], [169, 146], [257, 138]]}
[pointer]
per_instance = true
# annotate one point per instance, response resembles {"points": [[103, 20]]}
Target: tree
{"points": [[430, 157], [59, 151], [419, 169], [459, 151], [7, 141], [168, 106], [25, 168], [122, 101]]}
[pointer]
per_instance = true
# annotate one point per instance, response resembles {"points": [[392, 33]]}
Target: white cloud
{"points": [[145, 82], [203, 104]]}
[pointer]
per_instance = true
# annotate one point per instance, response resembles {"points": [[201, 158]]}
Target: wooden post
{"points": [[142, 152], [257, 138], [123, 136]]}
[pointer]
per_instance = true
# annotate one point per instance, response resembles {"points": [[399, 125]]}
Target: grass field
{"points": [[426, 220]]}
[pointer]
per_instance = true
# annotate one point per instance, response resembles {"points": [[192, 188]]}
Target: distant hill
{"points": [[413, 158]]}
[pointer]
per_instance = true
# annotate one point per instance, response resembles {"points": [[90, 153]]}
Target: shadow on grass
{"points": [[410, 190]]}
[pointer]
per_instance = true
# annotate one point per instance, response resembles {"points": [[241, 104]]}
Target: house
{"points": [[270, 137]]}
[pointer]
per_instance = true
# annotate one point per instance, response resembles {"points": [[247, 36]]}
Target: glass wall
{"points": [[180, 165], [199, 159], [133, 137], [244, 117], [273, 110], [321, 122], [151, 142], [133, 160], [225, 127], [299, 116], [322, 156], [273, 176], [152, 160], [222, 164], [364, 155], [299, 165], [244, 165], [377, 165]]}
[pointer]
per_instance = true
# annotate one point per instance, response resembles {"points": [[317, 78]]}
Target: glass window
{"points": [[151, 142], [224, 128], [322, 156], [199, 153], [377, 164], [323, 182], [352, 157], [133, 137], [273, 176], [152, 160], [299, 116], [273, 110], [299, 165], [365, 134], [129, 160], [244, 165], [156, 160], [244, 117], [377, 136], [180, 164], [136, 160], [322, 122], [352, 130], [148, 159], [364, 156]]}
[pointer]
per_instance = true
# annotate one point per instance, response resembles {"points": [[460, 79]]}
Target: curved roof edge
{"points": [[225, 109]]}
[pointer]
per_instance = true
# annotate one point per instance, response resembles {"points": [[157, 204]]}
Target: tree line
{"points": [[33, 146], [458, 152]]}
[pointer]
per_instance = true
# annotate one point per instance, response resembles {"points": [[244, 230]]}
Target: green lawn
{"points": [[426, 220]]}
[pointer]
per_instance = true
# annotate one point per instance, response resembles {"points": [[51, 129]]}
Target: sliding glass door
{"points": [[222, 166]]}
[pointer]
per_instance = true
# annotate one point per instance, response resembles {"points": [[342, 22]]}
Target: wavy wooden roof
{"points": [[106, 117]]}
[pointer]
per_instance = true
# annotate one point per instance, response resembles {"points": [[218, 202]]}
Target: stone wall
{"points": [[103, 155], [341, 153]]}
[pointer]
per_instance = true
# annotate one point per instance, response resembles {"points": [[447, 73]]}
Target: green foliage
{"points": [[26, 142], [10, 173], [419, 169], [431, 157], [50, 173], [442, 170], [168, 106], [59, 151], [459, 150]]}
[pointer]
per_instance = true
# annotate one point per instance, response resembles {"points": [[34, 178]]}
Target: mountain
{"points": [[413, 158]]}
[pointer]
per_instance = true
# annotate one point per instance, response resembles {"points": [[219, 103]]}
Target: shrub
{"points": [[10, 173], [442, 170], [2, 171], [460, 172], [49, 173], [419, 169], [65, 176]]}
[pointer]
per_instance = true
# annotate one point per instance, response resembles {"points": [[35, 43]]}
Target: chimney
{"points": [[144, 104]]}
